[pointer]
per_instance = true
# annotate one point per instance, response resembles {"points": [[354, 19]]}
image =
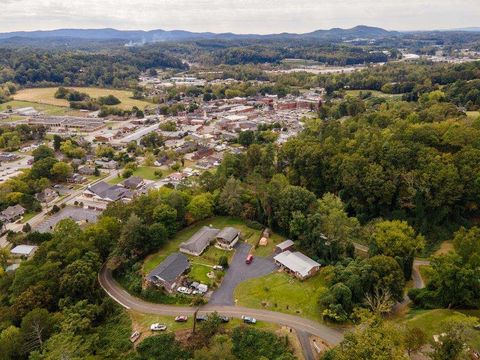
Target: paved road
{"points": [[239, 271], [121, 296], [304, 339]]}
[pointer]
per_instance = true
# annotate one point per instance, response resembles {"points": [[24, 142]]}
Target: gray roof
{"points": [[132, 182], [170, 268], [110, 192], [200, 240], [13, 211], [285, 245], [228, 234], [297, 262]]}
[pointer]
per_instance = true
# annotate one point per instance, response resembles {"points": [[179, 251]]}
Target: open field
{"points": [[284, 293], [473, 114], [47, 96], [356, 93], [48, 109], [431, 321], [148, 172]]}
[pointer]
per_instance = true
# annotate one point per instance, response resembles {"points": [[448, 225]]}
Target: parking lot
{"points": [[74, 213], [239, 271]]}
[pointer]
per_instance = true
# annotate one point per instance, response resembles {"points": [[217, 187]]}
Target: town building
{"points": [[12, 213]]}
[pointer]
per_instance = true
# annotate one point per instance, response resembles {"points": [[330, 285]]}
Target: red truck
{"points": [[249, 259]]}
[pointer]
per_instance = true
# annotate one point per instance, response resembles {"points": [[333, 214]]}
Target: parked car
{"points": [[158, 327], [224, 319], [249, 320], [218, 267], [249, 259], [184, 290], [201, 318], [181, 318]]}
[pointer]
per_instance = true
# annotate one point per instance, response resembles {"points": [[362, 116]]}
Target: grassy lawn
{"points": [[473, 114], [431, 321], [282, 292], [147, 172], [212, 255], [115, 180], [28, 216], [47, 96], [48, 109], [270, 248], [199, 272], [376, 93]]}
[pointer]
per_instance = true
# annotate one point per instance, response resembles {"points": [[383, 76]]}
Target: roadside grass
{"points": [[212, 255], [48, 109], [28, 216], [431, 321], [141, 322], [47, 96], [282, 292]]}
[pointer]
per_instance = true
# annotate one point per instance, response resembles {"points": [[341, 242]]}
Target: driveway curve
{"points": [[121, 296]]}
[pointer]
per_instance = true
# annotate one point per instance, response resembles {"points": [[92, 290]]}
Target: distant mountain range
{"points": [[135, 36]]}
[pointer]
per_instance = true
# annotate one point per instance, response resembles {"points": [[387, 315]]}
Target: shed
{"points": [[284, 246]]}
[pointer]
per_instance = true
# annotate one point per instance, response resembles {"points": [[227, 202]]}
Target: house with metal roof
{"points": [[169, 273], [197, 244], [227, 238], [284, 246], [23, 250], [297, 264]]}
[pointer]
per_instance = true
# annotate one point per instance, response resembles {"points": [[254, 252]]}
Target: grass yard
{"points": [[431, 321], [282, 292], [47, 96], [273, 240], [148, 172], [199, 272], [48, 109], [212, 255], [28, 216], [473, 114]]}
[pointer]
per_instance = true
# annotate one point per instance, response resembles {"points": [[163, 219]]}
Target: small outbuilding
{"points": [[284, 246]]}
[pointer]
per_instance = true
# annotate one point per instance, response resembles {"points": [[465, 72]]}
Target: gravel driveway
{"points": [[239, 271]]}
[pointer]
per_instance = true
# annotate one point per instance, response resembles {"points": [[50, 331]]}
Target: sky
{"points": [[238, 16]]}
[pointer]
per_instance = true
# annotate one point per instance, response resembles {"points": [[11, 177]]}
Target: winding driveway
{"points": [[121, 296]]}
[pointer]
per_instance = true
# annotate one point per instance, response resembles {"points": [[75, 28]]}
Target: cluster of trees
{"points": [[454, 281], [119, 67], [12, 137], [44, 170], [6, 91], [80, 100]]}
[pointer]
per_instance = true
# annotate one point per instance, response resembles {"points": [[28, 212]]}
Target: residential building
{"points": [[197, 244], [46, 195], [133, 183], [12, 213], [23, 250], [169, 273], [297, 264], [106, 192], [227, 238]]}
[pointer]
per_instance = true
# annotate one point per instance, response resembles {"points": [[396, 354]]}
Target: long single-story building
{"points": [[297, 263], [227, 238], [169, 273], [23, 250], [197, 244]]}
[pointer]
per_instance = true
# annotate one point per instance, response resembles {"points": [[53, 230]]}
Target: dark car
{"points": [[224, 319], [201, 318]]}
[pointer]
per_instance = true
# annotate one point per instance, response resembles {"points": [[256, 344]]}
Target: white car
{"points": [[217, 267], [158, 327], [184, 290], [249, 320]]}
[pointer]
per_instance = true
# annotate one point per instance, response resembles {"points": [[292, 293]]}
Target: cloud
{"points": [[241, 16]]}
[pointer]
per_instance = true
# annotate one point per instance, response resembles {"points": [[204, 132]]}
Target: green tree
{"points": [[200, 207]]}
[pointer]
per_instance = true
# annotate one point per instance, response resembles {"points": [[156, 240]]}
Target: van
{"points": [[249, 259]]}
